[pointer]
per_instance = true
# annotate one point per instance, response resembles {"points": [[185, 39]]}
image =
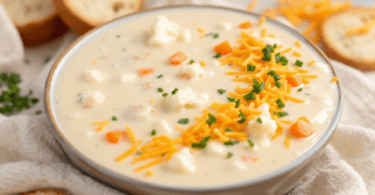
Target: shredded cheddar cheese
{"points": [[296, 54], [360, 30], [335, 79], [262, 20], [101, 124], [298, 44]]}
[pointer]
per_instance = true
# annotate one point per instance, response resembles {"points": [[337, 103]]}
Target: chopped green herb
{"points": [[160, 89], [281, 114], [183, 121], [229, 155], [231, 99], [271, 73], [202, 144], [274, 46], [276, 77], [249, 96], [30, 92], [139, 152], [267, 51], [278, 84], [280, 103], [48, 58], [118, 36], [259, 120], [250, 67], [34, 100], [300, 89], [216, 35], [237, 103], [191, 61], [281, 59], [251, 144], [298, 63], [221, 91], [164, 94], [153, 132], [211, 119], [228, 130], [114, 118], [174, 91], [218, 55], [231, 143], [38, 112], [243, 117], [159, 76], [258, 87]]}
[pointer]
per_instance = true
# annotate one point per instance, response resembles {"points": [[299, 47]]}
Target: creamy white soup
{"points": [[194, 97]]}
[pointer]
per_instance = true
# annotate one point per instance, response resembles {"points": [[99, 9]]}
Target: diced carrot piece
{"points": [[145, 71], [294, 80], [115, 136], [178, 58], [301, 129], [245, 25], [223, 48]]}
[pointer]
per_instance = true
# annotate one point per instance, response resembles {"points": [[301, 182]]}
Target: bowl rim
{"points": [[181, 189]]}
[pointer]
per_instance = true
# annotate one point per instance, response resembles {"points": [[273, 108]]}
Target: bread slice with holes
{"points": [[83, 15], [36, 20], [349, 37]]}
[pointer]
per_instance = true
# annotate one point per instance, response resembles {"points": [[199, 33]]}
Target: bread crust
{"points": [[75, 20], [332, 49], [43, 192], [42, 31]]}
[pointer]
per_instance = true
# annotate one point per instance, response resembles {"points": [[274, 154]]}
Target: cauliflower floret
{"points": [[260, 128], [94, 76], [182, 161], [139, 112], [185, 35], [193, 71], [127, 78], [185, 97], [215, 149], [235, 164], [224, 26], [162, 127], [93, 98], [163, 32]]}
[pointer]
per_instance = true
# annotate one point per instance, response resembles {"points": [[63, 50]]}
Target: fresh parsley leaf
{"points": [[258, 87], [249, 96], [211, 119], [250, 67], [243, 117], [218, 55], [174, 91], [221, 91]]}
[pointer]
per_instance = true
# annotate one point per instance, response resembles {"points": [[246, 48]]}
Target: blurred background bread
{"points": [[36, 20], [83, 15], [349, 37], [43, 191]]}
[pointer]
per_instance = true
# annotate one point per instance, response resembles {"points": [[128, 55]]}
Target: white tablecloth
{"points": [[30, 157]]}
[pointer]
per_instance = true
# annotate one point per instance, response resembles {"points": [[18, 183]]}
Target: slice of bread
{"points": [[358, 49], [83, 15], [43, 192], [36, 20]]}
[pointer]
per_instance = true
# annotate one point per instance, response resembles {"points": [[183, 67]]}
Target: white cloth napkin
{"points": [[30, 157]]}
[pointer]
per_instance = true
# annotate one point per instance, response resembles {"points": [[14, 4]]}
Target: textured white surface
{"points": [[30, 157]]}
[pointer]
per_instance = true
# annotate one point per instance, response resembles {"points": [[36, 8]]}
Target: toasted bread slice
{"points": [[36, 20], [83, 15], [43, 192], [349, 37]]}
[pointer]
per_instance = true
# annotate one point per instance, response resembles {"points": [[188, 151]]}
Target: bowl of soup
{"points": [[194, 99]]}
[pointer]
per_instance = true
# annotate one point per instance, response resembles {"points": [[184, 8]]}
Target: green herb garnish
{"points": [[221, 91], [174, 91], [139, 152], [250, 67], [114, 118], [298, 63], [231, 143], [271, 73], [278, 84], [153, 132], [280, 103], [229, 155], [243, 117], [164, 94], [258, 87], [159, 76], [211, 119], [276, 77], [281, 114], [231, 99], [183, 121], [202, 144], [299, 89], [160, 89], [249, 96], [191, 61], [237, 103], [38, 112], [48, 58], [251, 144], [281, 59], [259, 120], [218, 55], [228, 130], [267, 51]]}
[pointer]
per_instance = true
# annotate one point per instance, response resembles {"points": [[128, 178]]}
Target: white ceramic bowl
{"points": [[277, 182]]}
